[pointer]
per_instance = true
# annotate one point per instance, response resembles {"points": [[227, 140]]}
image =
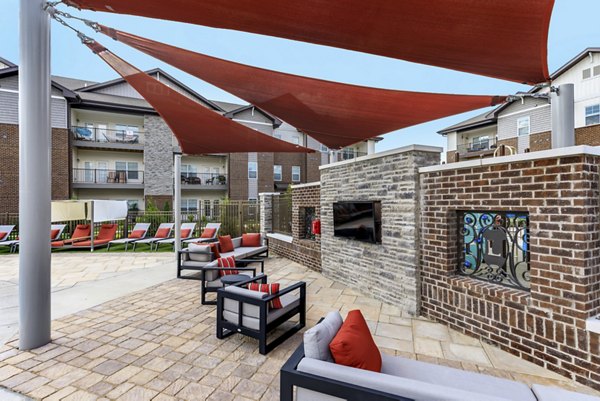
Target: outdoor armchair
{"points": [[140, 230], [187, 232], [164, 231], [248, 312]]}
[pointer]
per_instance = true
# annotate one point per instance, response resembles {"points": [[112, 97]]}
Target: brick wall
{"points": [[540, 141], [508, 142], [9, 166], [305, 252], [547, 325], [238, 176], [589, 135]]}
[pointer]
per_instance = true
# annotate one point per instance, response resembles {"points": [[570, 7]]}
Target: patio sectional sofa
{"points": [[318, 378]]}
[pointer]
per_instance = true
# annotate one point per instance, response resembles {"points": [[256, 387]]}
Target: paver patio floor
{"points": [[159, 344]]}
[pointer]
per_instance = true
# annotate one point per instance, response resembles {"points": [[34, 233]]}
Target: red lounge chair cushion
{"points": [[54, 233], [208, 233], [137, 234], [227, 262], [3, 235], [226, 244], [57, 243], [162, 233], [81, 231], [89, 243], [107, 233], [353, 345], [185, 232], [270, 289], [251, 239]]}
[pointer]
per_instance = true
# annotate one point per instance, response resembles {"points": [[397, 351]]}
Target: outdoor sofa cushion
{"points": [[353, 344], [199, 253], [208, 233], [272, 288], [251, 239], [546, 393], [226, 244], [401, 386], [228, 263], [317, 338]]}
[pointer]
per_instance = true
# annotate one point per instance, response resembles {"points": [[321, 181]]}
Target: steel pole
{"points": [[34, 174], [563, 116], [177, 202]]}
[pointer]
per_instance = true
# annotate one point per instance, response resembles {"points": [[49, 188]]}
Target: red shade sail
{"points": [[333, 113], [198, 129], [504, 39]]}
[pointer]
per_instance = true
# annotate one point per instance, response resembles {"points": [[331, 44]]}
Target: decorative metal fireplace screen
{"points": [[494, 246]]}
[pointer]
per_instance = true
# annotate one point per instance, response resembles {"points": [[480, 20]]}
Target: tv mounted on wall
{"points": [[360, 221]]}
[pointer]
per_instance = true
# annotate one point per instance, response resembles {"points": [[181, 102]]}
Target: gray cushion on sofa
{"points": [[409, 388], [455, 378], [199, 253], [317, 338], [546, 393]]}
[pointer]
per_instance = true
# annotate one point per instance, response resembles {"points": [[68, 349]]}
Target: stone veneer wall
{"points": [[158, 160], [388, 271], [547, 325]]}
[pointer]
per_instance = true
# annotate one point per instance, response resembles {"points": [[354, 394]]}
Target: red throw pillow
{"points": [[162, 233], [353, 345], [208, 233], [137, 234], [214, 248], [185, 232], [227, 262], [226, 243], [54, 233], [2, 235], [270, 289], [251, 239]]}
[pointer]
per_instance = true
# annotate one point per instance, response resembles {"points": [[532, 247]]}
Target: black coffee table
{"points": [[231, 279]]}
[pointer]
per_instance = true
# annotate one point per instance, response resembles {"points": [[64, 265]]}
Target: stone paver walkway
{"points": [[159, 344]]}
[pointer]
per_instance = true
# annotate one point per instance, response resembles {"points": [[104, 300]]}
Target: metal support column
{"points": [[563, 116], [34, 174], [177, 202]]}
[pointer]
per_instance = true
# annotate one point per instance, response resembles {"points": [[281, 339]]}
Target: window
{"points": [[592, 114], [480, 143], [296, 140], [133, 205], [188, 170], [129, 168], [207, 211], [216, 208], [252, 170], [523, 126], [277, 173], [189, 205], [587, 73], [125, 128], [296, 173], [324, 148]]}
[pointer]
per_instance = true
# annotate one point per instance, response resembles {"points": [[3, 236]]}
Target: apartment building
{"points": [[526, 124], [109, 143]]}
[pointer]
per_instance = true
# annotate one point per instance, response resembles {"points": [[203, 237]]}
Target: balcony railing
{"points": [[101, 176], [478, 146], [210, 179], [104, 135], [342, 155]]}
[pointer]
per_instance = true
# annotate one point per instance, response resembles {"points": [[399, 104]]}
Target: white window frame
{"points": [[252, 168], [185, 205], [187, 169], [277, 172], [298, 173], [520, 122], [128, 169], [595, 114], [207, 209]]}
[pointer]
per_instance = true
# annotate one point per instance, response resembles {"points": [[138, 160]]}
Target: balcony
{"points": [[344, 154], [477, 148], [110, 179], [211, 181], [108, 138]]}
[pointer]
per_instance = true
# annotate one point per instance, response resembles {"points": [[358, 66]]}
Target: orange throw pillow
{"points": [[137, 234], [251, 239], [208, 233], [162, 233], [54, 233], [226, 243], [185, 232], [353, 345]]}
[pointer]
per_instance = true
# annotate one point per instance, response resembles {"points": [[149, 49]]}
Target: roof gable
{"points": [[241, 110]]}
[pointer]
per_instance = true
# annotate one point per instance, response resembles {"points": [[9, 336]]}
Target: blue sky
{"points": [[574, 27]]}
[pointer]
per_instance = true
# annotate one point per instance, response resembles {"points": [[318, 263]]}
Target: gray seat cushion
{"points": [[199, 253], [546, 393], [317, 338], [248, 251], [455, 378], [410, 388]]}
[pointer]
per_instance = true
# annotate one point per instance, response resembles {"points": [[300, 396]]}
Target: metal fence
{"points": [[282, 214]]}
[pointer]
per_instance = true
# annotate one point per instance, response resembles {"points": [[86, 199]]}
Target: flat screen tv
{"points": [[359, 221]]}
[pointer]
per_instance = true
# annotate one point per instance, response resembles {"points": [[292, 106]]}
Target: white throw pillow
{"points": [[317, 338], [199, 253]]}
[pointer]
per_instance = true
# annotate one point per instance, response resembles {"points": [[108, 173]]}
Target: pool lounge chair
{"points": [[82, 232], [163, 232], [5, 234], [187, 232], [56, 231], [140, 230], [206, 238], [106, 234]]}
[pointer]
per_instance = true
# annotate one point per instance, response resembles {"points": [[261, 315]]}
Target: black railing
{"points": [[203, 179], [105, 135], [477, 146], [282, 214], [494, 246], [101, 176]]}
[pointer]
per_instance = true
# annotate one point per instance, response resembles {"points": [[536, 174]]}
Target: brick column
{"points": [[266, 211]]}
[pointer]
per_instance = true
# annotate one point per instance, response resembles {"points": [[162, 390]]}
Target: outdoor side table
{"points": [[231, 279]]}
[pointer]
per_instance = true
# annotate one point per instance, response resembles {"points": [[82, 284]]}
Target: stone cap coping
{"points": [[403, 149], [281, 237], [543, 154], [308, 184]]}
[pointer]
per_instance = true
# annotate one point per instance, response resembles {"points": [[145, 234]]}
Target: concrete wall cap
{"points": [[404, 149]]}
